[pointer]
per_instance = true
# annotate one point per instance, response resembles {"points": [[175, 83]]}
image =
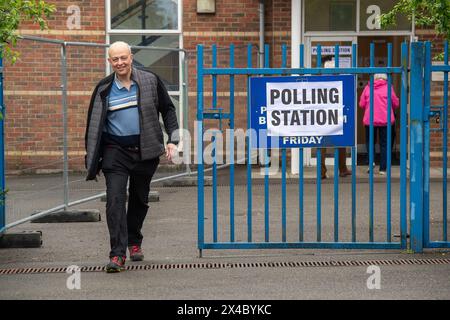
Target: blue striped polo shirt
{"points": [[122, 122]]}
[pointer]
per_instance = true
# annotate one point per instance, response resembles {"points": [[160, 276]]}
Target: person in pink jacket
{"points": [[380, 105]]}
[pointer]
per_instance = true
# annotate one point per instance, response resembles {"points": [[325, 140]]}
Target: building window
{"points": [[350, 16], [369, 9], [330, 15], [151, 23], [144, 14], [164, 63]]}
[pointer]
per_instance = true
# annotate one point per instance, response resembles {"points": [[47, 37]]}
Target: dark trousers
{"points": [[382, 141], [342, 161], [124, 223]]}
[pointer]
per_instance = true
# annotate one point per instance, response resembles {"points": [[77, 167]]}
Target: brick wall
{"points": [[34, 82], [234, 22], [33, 125], [437, 98], [237, 23], [33, 99]]}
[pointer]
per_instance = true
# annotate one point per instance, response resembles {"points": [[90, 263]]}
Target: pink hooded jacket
{"points": [[380, 103]]}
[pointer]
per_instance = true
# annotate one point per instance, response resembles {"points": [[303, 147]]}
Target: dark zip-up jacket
{"points": [[153, 100]]}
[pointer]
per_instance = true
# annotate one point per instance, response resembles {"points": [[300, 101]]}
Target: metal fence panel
{"points": [[2, 151], [271, 215], [435, 226], [44, 128], [34, 130]]}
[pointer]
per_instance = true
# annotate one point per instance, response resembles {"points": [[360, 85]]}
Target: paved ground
{"points": [[171, 242]]}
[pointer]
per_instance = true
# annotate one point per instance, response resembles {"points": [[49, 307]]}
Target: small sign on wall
{"points": [[206, 6], [437, 76]]}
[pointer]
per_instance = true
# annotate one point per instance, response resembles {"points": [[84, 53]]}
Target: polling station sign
{"points": [[302, 111]]}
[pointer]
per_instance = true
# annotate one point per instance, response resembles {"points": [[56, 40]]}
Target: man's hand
{"points": [[171, 149]]}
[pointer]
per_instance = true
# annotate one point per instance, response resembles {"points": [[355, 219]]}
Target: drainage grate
{"points": [[301, 264]]}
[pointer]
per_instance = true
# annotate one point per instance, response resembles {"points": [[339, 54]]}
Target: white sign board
{"points": [[330, 50], [304, 108]]}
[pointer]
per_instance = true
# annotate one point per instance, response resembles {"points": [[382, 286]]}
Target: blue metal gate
{"points": [[439, 112], [246, 237], [2, 153]]}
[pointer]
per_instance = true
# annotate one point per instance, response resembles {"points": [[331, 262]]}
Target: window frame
{"points": [[358, 31], [140, 31], [160, 32], [146, 32]]}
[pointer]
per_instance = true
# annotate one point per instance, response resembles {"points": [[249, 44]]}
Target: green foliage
{"points": [[427, 13], [12, 13]]}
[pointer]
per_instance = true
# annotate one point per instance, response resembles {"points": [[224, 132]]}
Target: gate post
{"points": [[2, 152], [417, 145], [200, 167]]}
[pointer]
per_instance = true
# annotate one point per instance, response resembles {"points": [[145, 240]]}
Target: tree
{"points": [[12, 13], [426, 13]]}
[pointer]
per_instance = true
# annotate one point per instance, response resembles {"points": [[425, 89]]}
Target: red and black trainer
{"points": [[116, 264], [136, 253]]}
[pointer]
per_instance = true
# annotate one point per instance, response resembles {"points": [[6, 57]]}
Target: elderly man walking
{"points": [[124, 140]]}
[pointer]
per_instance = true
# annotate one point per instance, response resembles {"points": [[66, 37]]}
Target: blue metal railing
{"points": [[403, 146], [233, 242], [431, 111], [388, 148], [2, 153], [371, 144], [266, 164], [354, 151], [249, 154], [300, 171]]}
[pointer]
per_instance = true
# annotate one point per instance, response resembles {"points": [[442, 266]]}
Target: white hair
{"points": [[380, 76], [118, 44], [329, 64]]}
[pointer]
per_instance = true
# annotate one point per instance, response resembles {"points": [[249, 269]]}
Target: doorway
{"points": [[345, 60], [363, 60], [381, 53]]}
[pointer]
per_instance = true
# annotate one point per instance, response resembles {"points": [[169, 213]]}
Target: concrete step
{"points": [[70, 216], [24, 239]]}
